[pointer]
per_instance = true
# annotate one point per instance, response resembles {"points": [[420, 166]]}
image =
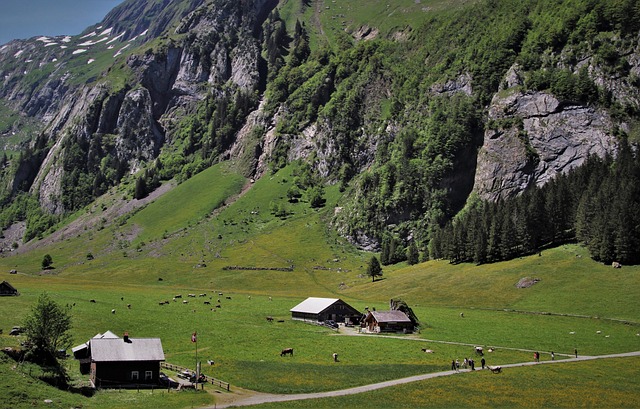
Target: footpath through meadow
{"points": [[246, 398]]}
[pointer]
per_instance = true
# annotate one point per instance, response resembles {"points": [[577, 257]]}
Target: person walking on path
{"points": [[553, 356], [454, 367], [576, 352], [483, 362]]}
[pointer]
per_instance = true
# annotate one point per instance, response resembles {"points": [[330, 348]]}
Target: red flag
{"points": [[193, 337]]}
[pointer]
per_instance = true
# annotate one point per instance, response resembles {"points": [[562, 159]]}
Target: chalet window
{"points": [[134, 375], [148, 375]]}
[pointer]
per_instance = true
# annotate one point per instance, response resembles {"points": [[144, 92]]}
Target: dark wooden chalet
{"points": [[388, 321], [7, 289], [325, 309], [126, 361]]}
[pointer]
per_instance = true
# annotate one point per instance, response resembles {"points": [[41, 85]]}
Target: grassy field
{"points": [[187, 239]]}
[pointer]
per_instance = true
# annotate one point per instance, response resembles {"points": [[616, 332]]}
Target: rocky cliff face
{"points": [[540, 138], [218, 47], [533, 136]]}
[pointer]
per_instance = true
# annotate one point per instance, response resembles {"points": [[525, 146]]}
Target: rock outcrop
{"points": [[533, 136]]}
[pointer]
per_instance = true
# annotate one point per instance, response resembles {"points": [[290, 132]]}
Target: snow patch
{"points": [[115, 38], [91, 34], [121, 50], [90, 61], [67, 39], [50, 44], [18, 54], [80, 51], [107, 32]]}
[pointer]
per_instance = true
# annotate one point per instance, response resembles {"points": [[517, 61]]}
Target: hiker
{"points": [[576, 352], [483, 362], [472, 365], [457, 365], [335, 357], [453, 366], [553, 356]]}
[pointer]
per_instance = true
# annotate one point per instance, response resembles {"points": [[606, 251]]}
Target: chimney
{"points": [[126, 337]]}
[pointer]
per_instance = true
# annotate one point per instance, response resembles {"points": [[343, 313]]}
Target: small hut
{"points": [[388, 321], [7, 289]]}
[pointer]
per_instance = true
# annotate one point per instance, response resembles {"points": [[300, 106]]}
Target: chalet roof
{"points": [[7, 285], [117, 350], [314, 305], [390, 316], [107, 334]]}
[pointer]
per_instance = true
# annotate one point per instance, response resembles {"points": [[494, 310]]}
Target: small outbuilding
{"points": [[7, 289], [125, 362], [388, 321], [316, 309]]}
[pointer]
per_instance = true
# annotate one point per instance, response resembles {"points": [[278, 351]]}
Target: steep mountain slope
{"points": [[371, 101]]}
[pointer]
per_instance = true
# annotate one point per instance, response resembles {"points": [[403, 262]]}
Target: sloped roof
{"points": [[7, 285], [390, 316], [107, 334], [117, 350], [314, 305]]}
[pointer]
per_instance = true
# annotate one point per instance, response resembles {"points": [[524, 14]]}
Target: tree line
{"points": [[597, 204]]}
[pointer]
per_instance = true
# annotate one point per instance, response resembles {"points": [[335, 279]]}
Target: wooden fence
{"points": [[213, 381]]}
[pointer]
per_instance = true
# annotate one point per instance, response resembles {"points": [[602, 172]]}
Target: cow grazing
{"points": [[270, 319], [228, 298], [129, 306], [93, 301], [178, 296], [185, 302], [495, 369], [286, 351], [427, 351], [207, 303], [191, 295], [479, 351], [113, 311]]}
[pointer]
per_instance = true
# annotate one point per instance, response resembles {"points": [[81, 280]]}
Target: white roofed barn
{"points": [[325, 309]]}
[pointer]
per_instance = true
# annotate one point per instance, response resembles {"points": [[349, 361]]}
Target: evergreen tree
{"points": [[413, 255], [374, 269]]}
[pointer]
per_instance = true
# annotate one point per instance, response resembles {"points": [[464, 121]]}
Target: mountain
{"points": [[412, 109]]}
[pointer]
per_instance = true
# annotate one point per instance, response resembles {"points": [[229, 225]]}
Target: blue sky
{"points": [[27, 18]]}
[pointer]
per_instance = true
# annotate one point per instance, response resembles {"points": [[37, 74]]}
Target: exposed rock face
{"points": [[221, 48], [139, 138], [533, 138]]}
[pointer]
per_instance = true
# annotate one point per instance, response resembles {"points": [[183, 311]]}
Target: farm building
{"points": [[126, 361], [388, 321], [83, 354], [7, 289], [325, 309]]}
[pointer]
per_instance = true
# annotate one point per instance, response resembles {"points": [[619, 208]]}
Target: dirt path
{"points": [[246, 398]]}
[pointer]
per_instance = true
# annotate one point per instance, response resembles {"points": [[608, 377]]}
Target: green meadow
{"points": [[184, 242]]}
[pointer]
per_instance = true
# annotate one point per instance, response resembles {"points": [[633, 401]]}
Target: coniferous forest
{"points": [[597, 204]]}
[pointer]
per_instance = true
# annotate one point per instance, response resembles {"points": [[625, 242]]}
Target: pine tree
{"points": [[374, 269], [413, 255]]}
